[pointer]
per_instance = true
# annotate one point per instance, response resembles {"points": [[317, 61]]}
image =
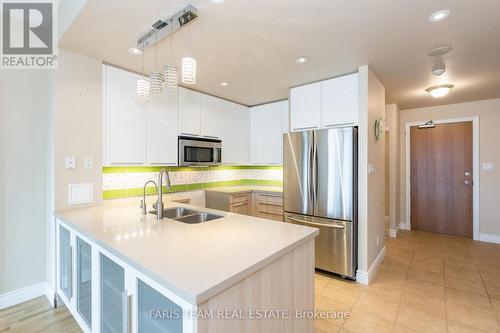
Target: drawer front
{"points": [[266, 214], [241, 208], [240, 197], [269, 207], [270, 198]]}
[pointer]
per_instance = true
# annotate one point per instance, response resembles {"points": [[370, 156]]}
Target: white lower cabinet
{"points": [[109, 295]]}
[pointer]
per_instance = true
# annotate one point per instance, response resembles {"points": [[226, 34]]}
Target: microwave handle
{"points": [[216, 155]]}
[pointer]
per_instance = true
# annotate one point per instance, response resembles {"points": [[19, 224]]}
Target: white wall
{"points": [[371, 198], [78, 125], [489, 151], [25, 99], [392, 115]]}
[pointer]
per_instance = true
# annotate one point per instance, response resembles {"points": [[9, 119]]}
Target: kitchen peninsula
{"points": [[133, 272]]}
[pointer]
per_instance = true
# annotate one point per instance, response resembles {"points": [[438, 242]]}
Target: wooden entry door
{"points": [[441, 179]]}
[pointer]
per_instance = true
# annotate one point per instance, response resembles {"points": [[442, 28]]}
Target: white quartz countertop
{"points": [[195, 261], [243, 189]]}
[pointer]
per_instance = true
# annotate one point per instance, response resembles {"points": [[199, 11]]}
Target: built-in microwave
{"points": [[199, 151]]}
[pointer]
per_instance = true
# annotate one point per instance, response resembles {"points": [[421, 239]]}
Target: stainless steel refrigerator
{"points": [[320, 190]]}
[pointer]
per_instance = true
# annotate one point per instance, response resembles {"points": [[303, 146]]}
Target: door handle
{"points": [[334, 226], [468, 182], [70, 275], [126, 315]]}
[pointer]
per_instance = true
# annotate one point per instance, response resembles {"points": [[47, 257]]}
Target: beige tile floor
{"points": [[426, 283]]}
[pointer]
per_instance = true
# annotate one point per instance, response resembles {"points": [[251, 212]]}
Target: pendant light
{"points": [[156, 78], [171, 74], [143, 83], [189, 67]]}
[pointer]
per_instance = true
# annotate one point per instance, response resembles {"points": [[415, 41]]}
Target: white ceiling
{"points": [[253, 44]]}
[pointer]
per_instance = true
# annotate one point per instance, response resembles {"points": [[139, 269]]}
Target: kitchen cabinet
{"points": [[153, 309], [240, 203], [266, 137], [235, 129], [125, 140], [305, 107], [113, 296], [161, 129], [84, 281], [285, 116], [213, 123], [189, 112], [268, 205], [326, 104], [122, 299], [66, 263], [339, 101]]}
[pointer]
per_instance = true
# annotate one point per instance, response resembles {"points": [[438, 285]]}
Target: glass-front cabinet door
{"points": [[113, 297], [65, 260], [156, 313], [84, 280]]}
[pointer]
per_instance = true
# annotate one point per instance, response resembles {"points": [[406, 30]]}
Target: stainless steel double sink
{"points": [[186, 215]]}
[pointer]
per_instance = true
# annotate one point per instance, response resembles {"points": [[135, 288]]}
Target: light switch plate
{"points": [[88, 162], [70, 162], [80, 193], [488, 166]]}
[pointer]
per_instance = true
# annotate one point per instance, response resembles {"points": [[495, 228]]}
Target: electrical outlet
{"points": [[88, 162], [70, 162]]}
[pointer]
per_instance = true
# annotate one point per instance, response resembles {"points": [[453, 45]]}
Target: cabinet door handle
{"points": [[70, 275], [304, 128], [271, 213], [126, 302], [269, 195], [239, 204], [339, 125], [270, 203]]}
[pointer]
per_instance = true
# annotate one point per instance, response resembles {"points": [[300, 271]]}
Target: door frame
{"points": [[475, 169]]}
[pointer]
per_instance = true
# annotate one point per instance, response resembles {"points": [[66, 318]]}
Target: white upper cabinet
{"points": [[235, 128], [305, 107], [189, 112], [212, 121], [285, 116], [339, 101], [266, 128], [161, 129], [325, 104], [125, 140]]}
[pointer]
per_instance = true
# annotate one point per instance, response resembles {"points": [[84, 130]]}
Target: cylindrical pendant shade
{"points": [[156, 80], [142, 89], [171, 77], [188, 70]]}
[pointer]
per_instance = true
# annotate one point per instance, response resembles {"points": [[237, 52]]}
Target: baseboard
{"points": [[366, 277], [393, 233], [50, 294], [404, 226], [23, 295], [490, 238]]}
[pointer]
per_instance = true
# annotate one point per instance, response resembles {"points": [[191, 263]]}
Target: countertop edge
{"points": [[188, 297]]}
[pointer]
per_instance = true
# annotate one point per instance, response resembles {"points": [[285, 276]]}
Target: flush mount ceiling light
{"points": [[439, 91], [135, 51], [439, 15], [302, 60], [440, 50], [224, 84]]}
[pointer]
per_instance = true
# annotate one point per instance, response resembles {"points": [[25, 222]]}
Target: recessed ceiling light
{"points": [[439, 91], [224, 84], [218, 2], [439, 15], [301, 60], [135, 51]]}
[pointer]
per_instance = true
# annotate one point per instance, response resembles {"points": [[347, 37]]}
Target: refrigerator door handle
{"points": [[334, 226], [310, 155], [315, 170]]}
